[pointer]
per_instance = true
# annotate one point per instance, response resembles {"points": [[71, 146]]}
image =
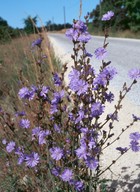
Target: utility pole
{"points": [[53, 23], [80, 11], [100, 8], [64, 17]]}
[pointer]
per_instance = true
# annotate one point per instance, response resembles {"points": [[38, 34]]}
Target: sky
{"points": [[15, 11]]}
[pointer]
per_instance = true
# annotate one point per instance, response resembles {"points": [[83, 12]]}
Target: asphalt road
{"points": [[124, 55]]}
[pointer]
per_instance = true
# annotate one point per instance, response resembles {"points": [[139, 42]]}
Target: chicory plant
{"points": [[55, 142]]}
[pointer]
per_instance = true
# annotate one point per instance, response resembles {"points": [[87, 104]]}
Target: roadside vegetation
{"points": [[7, 33], [126, 22], [19, 61], [53, 134], [114, 33]]}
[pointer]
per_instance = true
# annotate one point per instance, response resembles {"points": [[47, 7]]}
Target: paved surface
{"points": [[124, 54]]}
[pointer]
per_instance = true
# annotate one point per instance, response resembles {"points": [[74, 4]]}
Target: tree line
{"points": [[6, 31], [30, 26], [127, 17], [127, 14]]}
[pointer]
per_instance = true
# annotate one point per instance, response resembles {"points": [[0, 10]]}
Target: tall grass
{"points": [[20, 66], [19, 63]]}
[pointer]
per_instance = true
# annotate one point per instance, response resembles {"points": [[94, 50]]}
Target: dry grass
{"points": [[19, 66], [112, 33], [19, 61], [121, 34]]}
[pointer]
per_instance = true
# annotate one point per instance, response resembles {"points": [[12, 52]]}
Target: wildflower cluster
{"points": [[60, 131], [108, 16]]}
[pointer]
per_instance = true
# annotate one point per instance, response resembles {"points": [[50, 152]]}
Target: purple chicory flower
{"points": [[100, 80], [79, 185], [44, 92], [21, 156], [57, 96], [135, 117], [84, 37], [135, 136], [80, 26], [10, 146], [78, 32], [56, 153], [67, 175], [87, 54], [74, 75], [35, 132], [31, 95], [37, 42], [91, 163], [53, 109], [83, 142], [80, 116], [104, 76], [79, 86], [24, 123], [108, 16], [56, 171], [134, 74], [110, 13], [110, 72], [84, 130], [57, 80], [109, 97], [81, 152], [113, 116], [32, 159], [72, 34], [4, 141], [34, 88], [42, 136], [91, 143], [122, 149], [25, 93], [89, 71], [96, 109], [100, 53], [20, 113], [134, 145]]}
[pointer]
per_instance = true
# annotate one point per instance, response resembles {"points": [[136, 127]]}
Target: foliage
{"points": [[133, 11], [30, 25], [56, 27], [56, 136], [127, 14], [7, 32], [3, 22]]}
